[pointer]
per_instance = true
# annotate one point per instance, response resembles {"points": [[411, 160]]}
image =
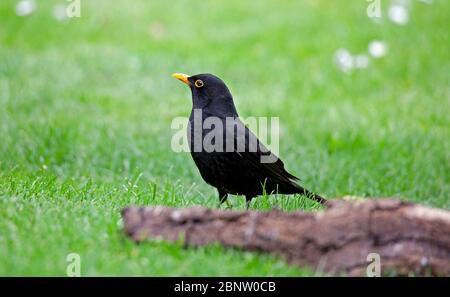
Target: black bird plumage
{"points": [[235, 171]]}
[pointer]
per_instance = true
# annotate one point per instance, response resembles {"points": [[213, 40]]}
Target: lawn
{"points": [[86, 106]]}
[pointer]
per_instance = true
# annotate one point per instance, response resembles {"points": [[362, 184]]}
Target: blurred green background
{"points": [[86, 106]]}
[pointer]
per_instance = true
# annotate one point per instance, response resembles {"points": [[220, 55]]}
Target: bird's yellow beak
{"points": [[182, 77]]}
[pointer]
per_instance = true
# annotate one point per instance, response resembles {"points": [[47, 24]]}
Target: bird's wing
{"points": [[255, 150]]}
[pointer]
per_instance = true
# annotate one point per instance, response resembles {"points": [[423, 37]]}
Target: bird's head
{"points": [[209, 93]]}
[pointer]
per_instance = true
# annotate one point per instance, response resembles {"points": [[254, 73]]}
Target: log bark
{"points": [[409, 238]]}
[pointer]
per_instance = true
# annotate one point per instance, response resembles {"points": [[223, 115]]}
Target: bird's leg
{"points": [[223, 198], [248, 200]]}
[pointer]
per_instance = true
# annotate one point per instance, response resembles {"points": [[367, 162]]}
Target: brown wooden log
{"points": [[409, 238]]}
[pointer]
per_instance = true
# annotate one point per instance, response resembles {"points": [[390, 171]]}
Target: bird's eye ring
{"points": [[198, 83]]}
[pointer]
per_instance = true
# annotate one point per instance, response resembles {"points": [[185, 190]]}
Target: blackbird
{"points": [[233, 162]]}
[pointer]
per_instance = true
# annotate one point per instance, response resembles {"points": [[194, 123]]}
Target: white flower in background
{"points": [[25, 7], [59, 12], [398, 13], [361, 61], [377, 49], [344, 60]]}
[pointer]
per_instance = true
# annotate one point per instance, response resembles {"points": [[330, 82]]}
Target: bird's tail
{"points": [[313, 196]]}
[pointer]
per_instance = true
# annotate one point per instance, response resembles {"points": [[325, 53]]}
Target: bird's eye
{"points": [[198, 83]]}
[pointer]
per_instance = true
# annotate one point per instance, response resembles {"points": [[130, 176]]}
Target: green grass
{"points": [[86, 107]]}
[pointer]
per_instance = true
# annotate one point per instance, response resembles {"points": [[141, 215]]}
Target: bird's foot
{"points": [[228, 205], [247, 204]]}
